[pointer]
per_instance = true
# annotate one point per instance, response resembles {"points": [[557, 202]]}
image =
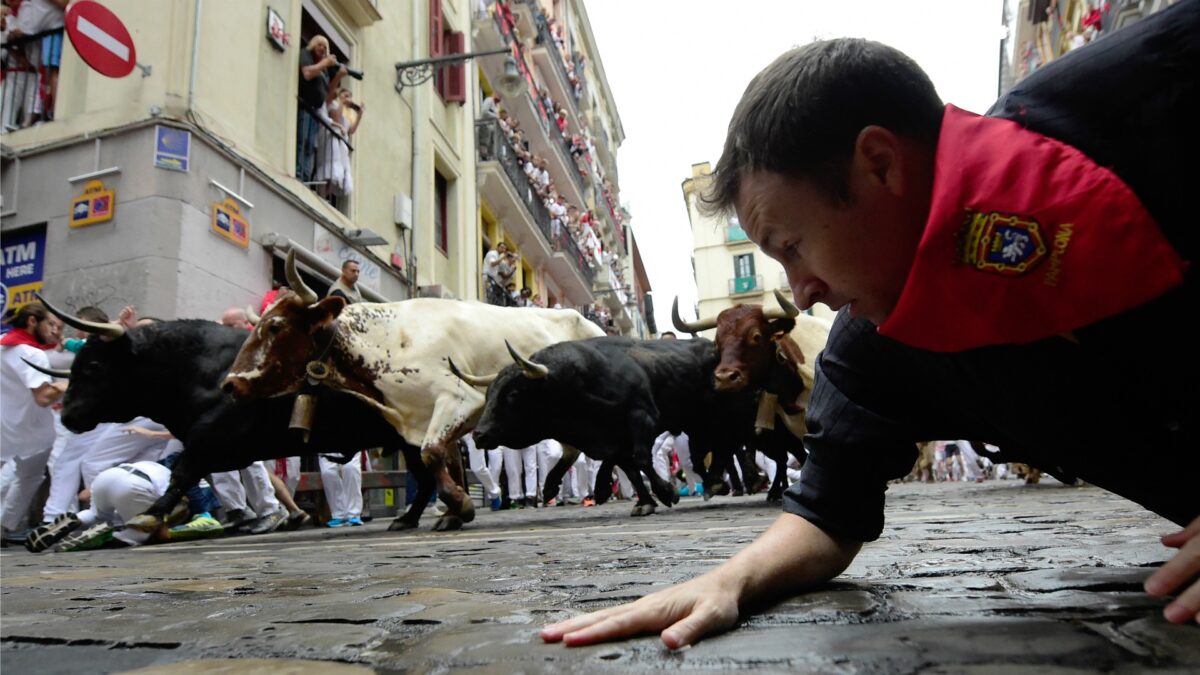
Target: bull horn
{"points": [[787, 309], [307, 295], [52, 372], [252, 316], [473, 380], [105, 331], [534, 371], [693, 327]]}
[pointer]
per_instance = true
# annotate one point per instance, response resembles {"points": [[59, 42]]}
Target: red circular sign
{"points": [[100, 38]]}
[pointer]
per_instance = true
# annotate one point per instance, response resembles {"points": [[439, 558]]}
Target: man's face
{"points": [[350, 274], [857, 254], [48, 331]]}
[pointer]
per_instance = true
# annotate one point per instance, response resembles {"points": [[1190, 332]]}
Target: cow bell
{"points": [[765, 419], [303, 411]]}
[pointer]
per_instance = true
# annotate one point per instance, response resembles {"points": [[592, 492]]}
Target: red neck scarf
{"points": [[1027, 238], [20, 336]]}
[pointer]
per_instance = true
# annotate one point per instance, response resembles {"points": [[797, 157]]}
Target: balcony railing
{"points": [[546, 39], [28, 90], [493, 146], [323, 154], [739, 285], [735, 233]]}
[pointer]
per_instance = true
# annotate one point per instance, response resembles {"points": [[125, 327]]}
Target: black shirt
{"points": [[1118, 408], [312, 92]]}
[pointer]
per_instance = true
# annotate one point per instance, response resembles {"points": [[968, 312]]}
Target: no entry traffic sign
{"points": [[100, 38]]}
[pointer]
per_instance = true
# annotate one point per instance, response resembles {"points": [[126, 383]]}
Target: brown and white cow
{"points": [[394, 357], [770, 351]]}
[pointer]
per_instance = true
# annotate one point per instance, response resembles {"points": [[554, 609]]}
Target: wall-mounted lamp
{"points": [[412, 73]]}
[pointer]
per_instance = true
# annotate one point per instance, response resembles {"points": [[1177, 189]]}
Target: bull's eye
{"points": [[755, 338], [274, 328]]}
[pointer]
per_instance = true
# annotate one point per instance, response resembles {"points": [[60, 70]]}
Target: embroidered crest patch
{"points": [[1002, 243]]}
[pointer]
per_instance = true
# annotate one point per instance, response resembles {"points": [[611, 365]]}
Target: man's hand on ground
{"points": [[1175, 574], [683, 613]]}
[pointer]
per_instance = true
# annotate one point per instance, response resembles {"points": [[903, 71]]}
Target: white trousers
{"points": [[66, 472], [487, 472], [549, 452], [520, 465], [117, 496], [343, 487], [252, 483], [768, 466], [576, 483], [28, 472], [660, 455], [683, 450]]}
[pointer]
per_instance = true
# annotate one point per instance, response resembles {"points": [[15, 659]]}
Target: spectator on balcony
{"points": [[525, 297], [491, 106], [561, 119], [499, 265], [341, 116], [316, 85], [537, 301], [502, 116], [18, 88], [558, 215], [33, 17]]}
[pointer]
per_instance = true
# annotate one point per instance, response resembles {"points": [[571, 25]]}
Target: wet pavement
{"points": [[997, 577]]}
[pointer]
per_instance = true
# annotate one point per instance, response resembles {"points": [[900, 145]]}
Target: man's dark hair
{"points": [[801, 115], [34, 309], [90, 313], [348, 261]]}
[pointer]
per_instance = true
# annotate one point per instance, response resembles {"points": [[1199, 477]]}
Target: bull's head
{"points": [[294, 329], [516, 396], [748, 339], [102, 374]]}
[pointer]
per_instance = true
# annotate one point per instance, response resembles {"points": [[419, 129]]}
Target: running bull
{"points": [[610, 397], [171, 372], [393, 358]]}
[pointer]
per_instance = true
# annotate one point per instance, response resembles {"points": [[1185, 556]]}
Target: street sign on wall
{"points": [[227, 221], [95, 205], [100, 38]]}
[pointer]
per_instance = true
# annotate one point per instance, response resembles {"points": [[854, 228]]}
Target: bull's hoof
{"points": [[144, 523], [674, 497], [602, 497], [402, 524], [642, 510], [467, 510], [775, 499], [447, 523], [717, 489]]}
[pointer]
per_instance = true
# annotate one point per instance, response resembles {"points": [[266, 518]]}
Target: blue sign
{"points": [[22, 259], [172, 148]]}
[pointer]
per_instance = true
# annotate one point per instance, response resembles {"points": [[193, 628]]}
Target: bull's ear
{"points": [[324, 311], [780, 327]]}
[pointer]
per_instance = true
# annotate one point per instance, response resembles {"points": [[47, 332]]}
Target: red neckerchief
{"points": [[1027, 238], [20, 336]]}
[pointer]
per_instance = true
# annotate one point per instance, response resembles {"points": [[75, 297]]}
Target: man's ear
{"points": [[325, 311], [877, 154]]}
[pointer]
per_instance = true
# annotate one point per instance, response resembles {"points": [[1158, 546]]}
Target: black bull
{"points": [[172, 372], [610, 397]]}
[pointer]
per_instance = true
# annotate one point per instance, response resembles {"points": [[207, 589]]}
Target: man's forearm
{"points": [[792, 555]]}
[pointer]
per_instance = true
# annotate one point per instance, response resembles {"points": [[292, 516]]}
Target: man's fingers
{"points": [[555, 631], [1177, 539], [1177, 571], [696, 625], [633, 621], [1186, 607]]}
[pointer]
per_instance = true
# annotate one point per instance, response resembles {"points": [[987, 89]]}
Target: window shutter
{"points": [[435, 28], [456, 76]]}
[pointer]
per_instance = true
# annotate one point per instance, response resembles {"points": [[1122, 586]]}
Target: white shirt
{"points": [[26, 427], [37, 16]]}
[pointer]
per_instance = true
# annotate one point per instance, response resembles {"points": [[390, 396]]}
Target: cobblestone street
{"points": [[995, 577]]}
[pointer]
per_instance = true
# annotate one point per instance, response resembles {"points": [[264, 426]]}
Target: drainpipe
{"points": [[195, 53], [418, 142]]}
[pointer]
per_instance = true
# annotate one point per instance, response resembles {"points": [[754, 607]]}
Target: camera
{"points": [[352, 72]]}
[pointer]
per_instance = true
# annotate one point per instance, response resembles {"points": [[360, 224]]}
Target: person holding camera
{"points": [[320, 74]]}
